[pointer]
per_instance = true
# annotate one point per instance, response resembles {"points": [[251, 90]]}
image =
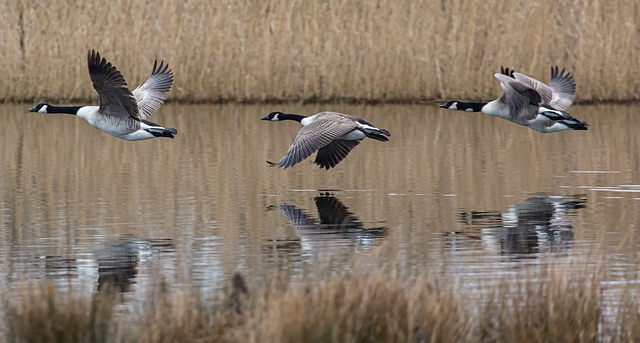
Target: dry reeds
{"points": [[46, 314], [556, 304], [330, 50]]}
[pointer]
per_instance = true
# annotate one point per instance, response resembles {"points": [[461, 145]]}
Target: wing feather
{"points": [[297, 217], [151, 94], [522, 100], [563, 87], [330, 155], [315, 136], [115, 97], [545, 91]]}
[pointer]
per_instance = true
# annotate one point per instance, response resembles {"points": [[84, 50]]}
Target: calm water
{"points": [[467, 193]]}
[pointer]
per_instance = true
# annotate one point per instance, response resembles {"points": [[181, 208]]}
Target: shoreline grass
{"points": [[387, 51], [555, 303]]}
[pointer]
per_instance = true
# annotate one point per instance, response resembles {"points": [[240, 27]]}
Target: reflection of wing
{"points": [[117, 265], [298, 218], [333, 212], [336, 224], [536, 209]]}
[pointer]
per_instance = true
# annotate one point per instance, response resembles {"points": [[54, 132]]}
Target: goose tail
{"points": [[159, 131], [566, 119], [168, 132], [377, 134]]}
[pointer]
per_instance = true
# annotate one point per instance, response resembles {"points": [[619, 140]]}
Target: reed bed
{"points": [[279, 50], [377, 305]]}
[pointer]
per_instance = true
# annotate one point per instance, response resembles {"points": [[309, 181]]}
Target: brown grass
{"points": [[559, 303], [50, 315], [331, 50]]}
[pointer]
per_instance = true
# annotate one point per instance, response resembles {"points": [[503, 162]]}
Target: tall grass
{"points": [[380, 305], [320, 50]]}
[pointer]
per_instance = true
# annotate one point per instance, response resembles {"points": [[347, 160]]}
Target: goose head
{"points": [[273, 116], [451, 105], [40, 108]]}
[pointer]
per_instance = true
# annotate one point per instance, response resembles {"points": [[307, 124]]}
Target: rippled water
{"points": [[475, 195]]}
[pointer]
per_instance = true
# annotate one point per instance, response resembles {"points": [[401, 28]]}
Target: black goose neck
{"points": [[291, 116], [470, 106], [63, 109]]}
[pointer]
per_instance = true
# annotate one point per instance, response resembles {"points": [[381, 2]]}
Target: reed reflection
{"points": [[541, 224], [60, 267], [334, 230]]}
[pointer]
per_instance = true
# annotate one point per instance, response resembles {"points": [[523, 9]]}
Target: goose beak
{"points": [[33, 109], [265, 118], [443, 105]]}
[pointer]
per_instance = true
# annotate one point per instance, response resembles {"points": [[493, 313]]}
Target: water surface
{"points": [[474, 195]]}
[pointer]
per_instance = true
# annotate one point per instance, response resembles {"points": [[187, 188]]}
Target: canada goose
{"points": [[529, 102], [332, 134], [121, 112]]}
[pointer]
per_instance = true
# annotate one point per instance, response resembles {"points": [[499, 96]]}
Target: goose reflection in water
{"points": [[118, 261], [117, 265], [538, 225], [336, 229]]}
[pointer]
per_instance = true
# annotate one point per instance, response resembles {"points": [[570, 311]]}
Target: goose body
{"points": [[121, 112], [529, 102], [332, 134]]}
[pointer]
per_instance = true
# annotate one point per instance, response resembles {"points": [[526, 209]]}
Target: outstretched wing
{"points": [[151, 94], [563, 87], [115, 97], [316, 136], [334, 152]]}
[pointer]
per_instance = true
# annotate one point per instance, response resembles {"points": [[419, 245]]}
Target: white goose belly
{"points": [[124, 128], [353, 135]]}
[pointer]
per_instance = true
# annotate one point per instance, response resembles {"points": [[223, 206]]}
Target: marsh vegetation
{"points": [[320, 51]]}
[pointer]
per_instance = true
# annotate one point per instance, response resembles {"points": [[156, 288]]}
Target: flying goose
{"points": [[121, 112], [529, 102], [332, 134]]}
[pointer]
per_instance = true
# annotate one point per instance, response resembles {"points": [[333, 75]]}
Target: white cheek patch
{"points": [[453, 106], [43, 109]]}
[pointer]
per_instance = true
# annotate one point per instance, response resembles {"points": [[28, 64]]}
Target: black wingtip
{"points": [[324, 165], [272, 164], [162, 68], [506, 71]]}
